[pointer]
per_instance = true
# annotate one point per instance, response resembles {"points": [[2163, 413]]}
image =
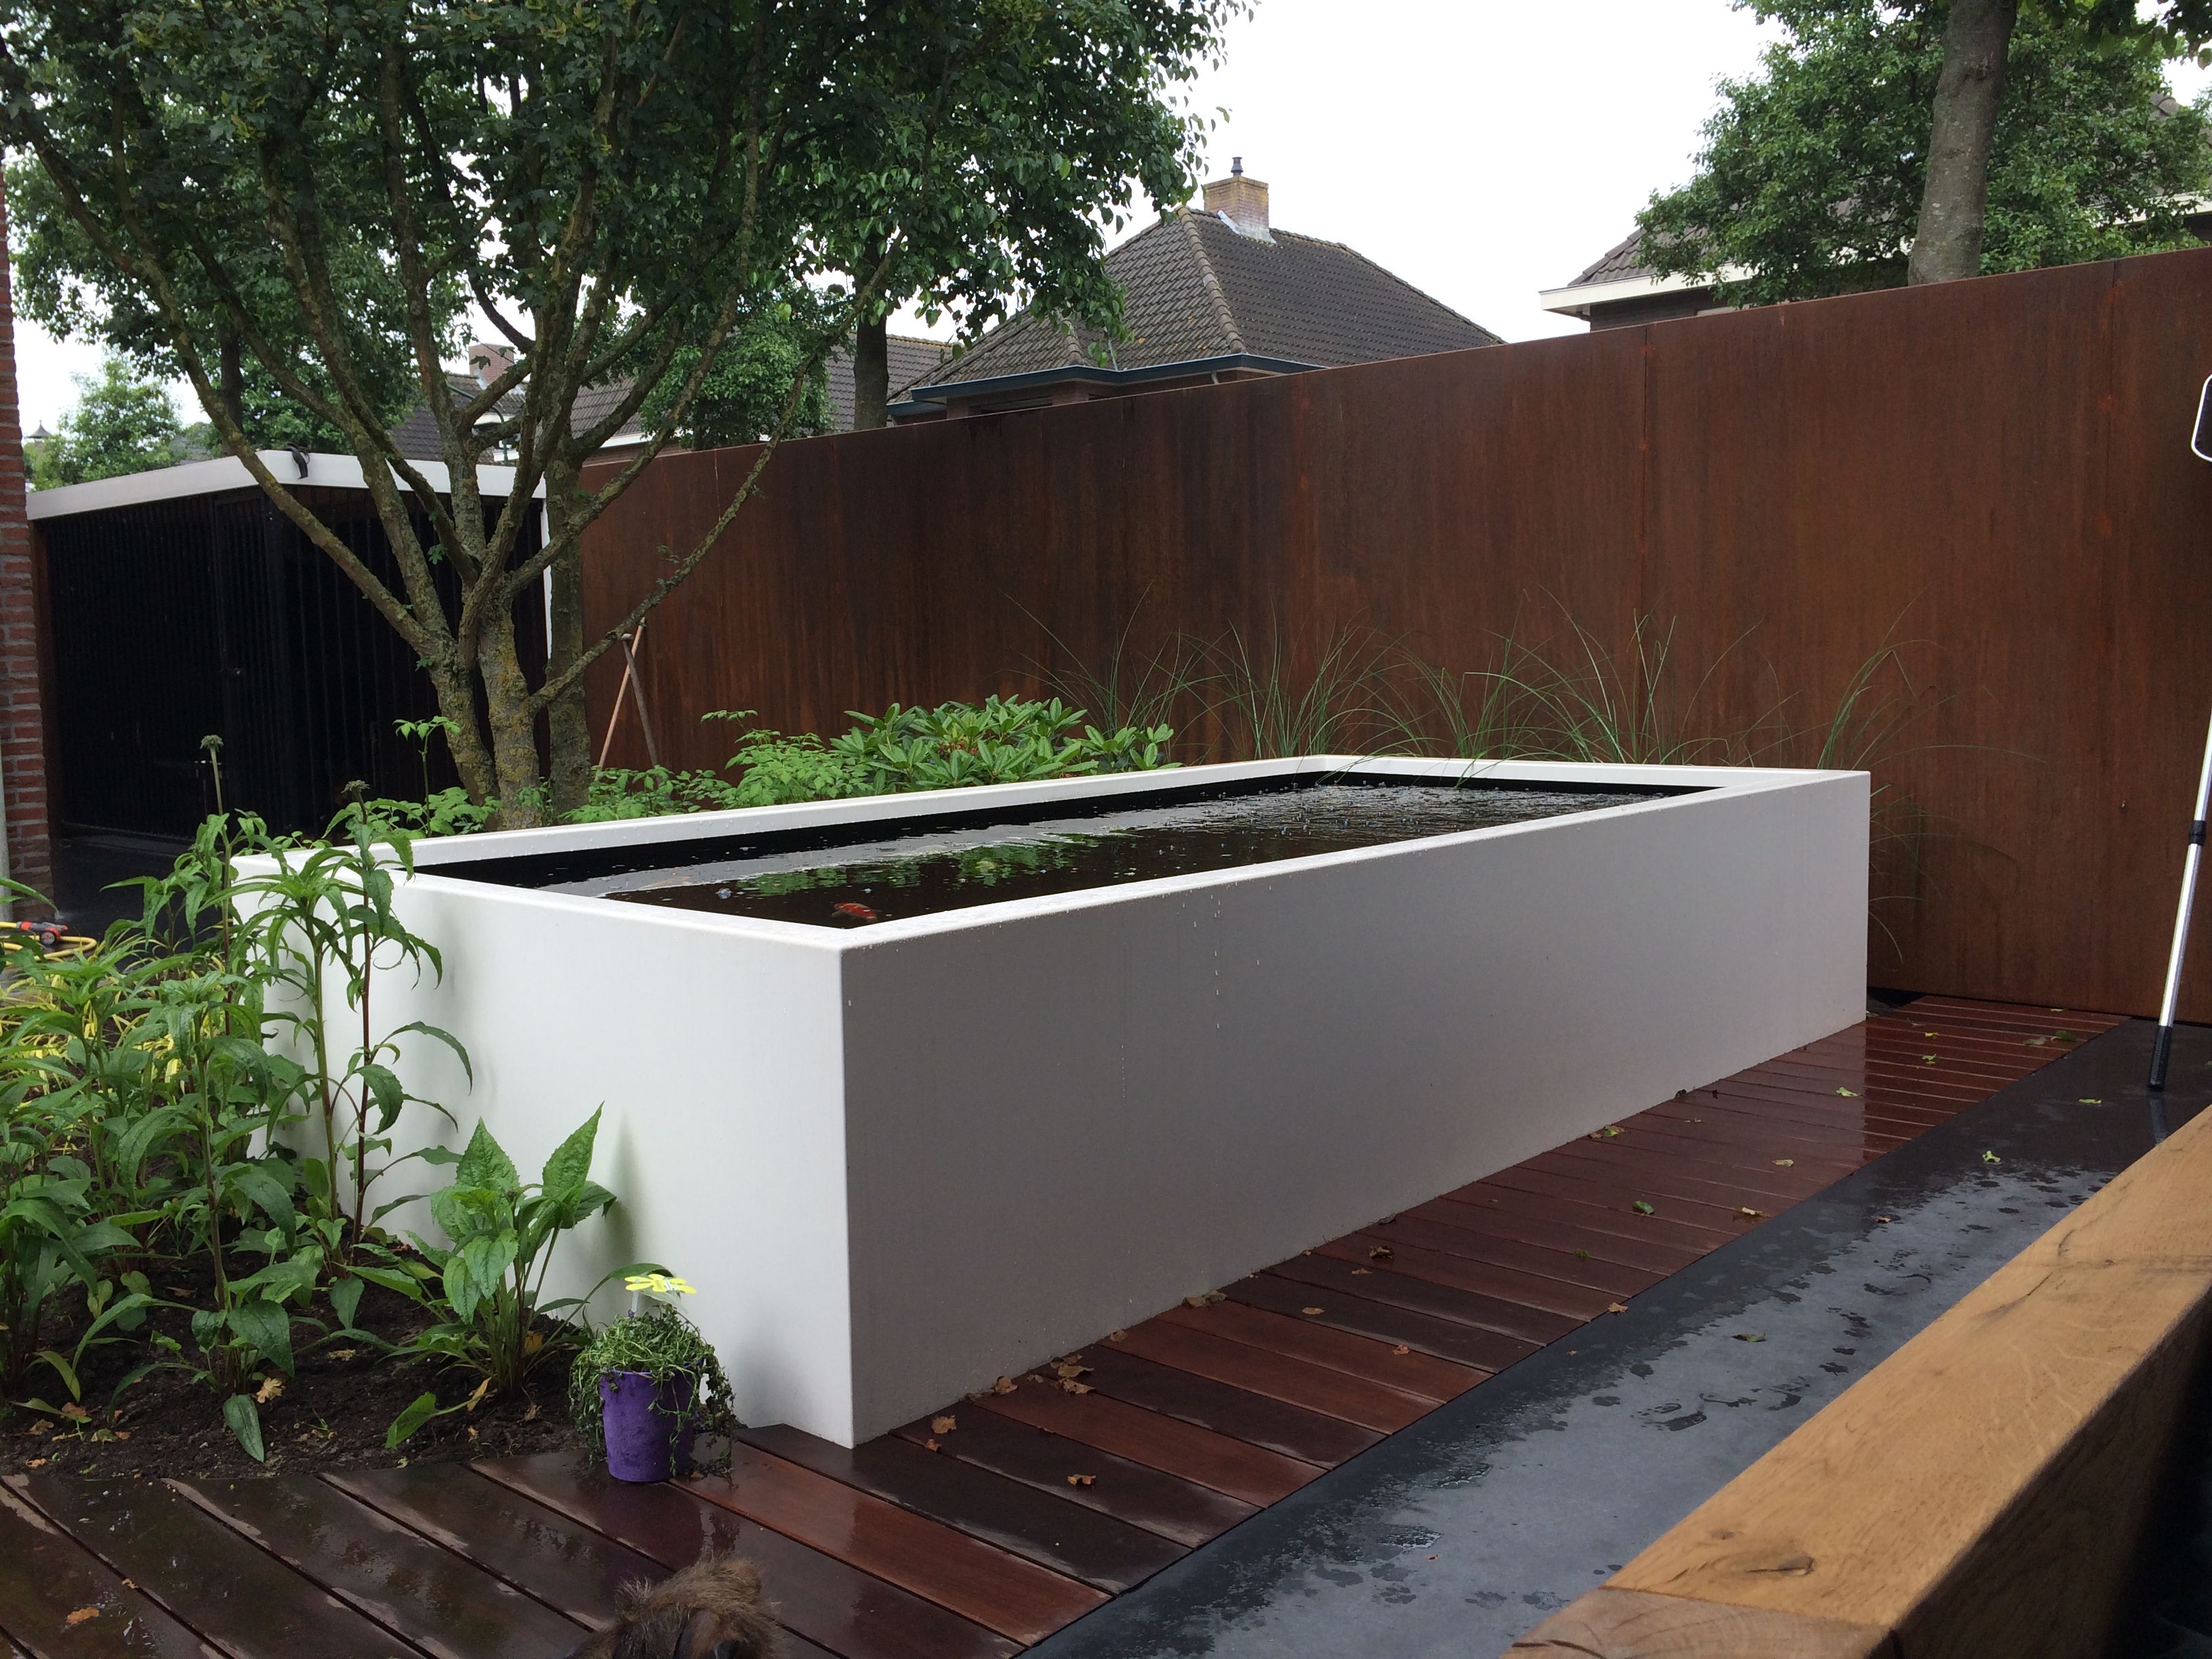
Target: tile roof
{"points": [[1194, 287], [910, 358], [1618, 264]]}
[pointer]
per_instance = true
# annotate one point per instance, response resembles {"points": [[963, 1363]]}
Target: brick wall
{"points": [[22, 727]]}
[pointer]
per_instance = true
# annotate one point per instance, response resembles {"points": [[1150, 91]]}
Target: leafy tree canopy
{"points": [[121, 424], [320, 189], [1811, 177], [743, 396]]}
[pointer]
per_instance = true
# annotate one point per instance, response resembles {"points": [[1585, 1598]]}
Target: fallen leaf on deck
{"points": [[1931, 1033], [1117, 1336], [1749, 1213], [929, 1445], [1380, 1253], [1082, 1479], [1885, 1217], [1927, 1060], [1204, 1299], [81, 1615], [1991, 1158], [1642, 1208], [1003, 1385], [2089, 1100], [1356, 1272], [1606, 1133], [1785, 1162], [1386, 1220], [1309, 1312], [1616, 1307], [944, 1425], [1067, 1368], [1401, 1348], [1582, 1254], [2037, 1043], [1749, 1336], [1069, 1385], [269, 1388], [1848, 1094]]}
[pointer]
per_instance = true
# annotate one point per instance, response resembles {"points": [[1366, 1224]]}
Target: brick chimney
{"points": [[488, 362], [1241, 201]]}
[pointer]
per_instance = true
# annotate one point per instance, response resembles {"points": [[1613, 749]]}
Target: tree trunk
{"points": [[569, 730], [872, 366], [230, 354], [1948, 244], [517, 768]]}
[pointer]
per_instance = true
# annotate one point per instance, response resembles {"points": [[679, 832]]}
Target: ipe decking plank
{"points": [[444, 1604], [1901, 1118], [1502, 1213], [232, 1592], [1485, 1352], [566, 1565], [1526, 1326], [1179, 1510], [1583, 1205], [1741, 1144], [1299, 1337], [1928, 1089], [1849, 1131], [46, 1577], [1046, 1526], [1003, 1592], [1608, 1278], [1277, 1375], [1222, 1462], [1691, 1178], [1255, 1418], [852, 1614], [1582, 1183], [1550, 1304]]}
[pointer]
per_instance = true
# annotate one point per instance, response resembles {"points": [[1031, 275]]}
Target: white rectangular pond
{"points": [[922, 1089]]}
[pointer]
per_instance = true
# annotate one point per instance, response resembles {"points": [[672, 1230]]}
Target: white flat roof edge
{"points": [[227, 472], [1574, 297]]}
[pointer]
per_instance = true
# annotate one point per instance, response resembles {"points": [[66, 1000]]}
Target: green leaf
{"points": [[571, 1163], [345, 1298], [485, 1164], [245, 1419], [419, 1411], [267, 1328]]}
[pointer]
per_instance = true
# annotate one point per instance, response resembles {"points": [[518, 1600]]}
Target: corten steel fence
{"points": [[1994, 470]]}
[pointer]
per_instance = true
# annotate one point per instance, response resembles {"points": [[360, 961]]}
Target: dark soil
{"points": [[332, 1413]]}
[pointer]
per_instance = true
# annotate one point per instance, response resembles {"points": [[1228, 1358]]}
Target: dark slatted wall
{"points": [[1994, 471]]}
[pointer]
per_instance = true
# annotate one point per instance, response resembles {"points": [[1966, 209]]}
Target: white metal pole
{"points": [[2162, 1047]]}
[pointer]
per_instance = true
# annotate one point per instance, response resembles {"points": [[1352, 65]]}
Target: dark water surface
{"points": [[914, 875]]}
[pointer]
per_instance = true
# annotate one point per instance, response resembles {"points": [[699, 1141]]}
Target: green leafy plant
{"points": [[659, 1342], [488, 1287], [1000, 740]]}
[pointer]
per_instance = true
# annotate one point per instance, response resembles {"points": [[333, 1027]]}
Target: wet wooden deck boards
{"points": [[979, 1537]]}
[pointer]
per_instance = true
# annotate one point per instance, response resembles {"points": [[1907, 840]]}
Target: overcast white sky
{"points": [[1483, 149]]}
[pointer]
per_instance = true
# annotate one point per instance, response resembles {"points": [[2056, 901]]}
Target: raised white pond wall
{"points": [[901, 1160]]}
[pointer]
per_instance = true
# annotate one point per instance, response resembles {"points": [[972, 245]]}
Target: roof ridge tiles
{"points": [[1211, 278]]}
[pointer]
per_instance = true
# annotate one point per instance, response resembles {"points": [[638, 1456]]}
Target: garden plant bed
{"points": [[1157, 1081], [332, 1414], [1188, 1424]]}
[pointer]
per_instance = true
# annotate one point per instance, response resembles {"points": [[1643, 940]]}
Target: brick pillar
{"points": [[23, 723]]}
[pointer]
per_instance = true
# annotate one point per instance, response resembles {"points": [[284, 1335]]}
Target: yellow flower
{"points": [[659, 1283]]}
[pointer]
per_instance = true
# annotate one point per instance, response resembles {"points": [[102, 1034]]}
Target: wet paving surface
{"points": [[1457, 1534]]}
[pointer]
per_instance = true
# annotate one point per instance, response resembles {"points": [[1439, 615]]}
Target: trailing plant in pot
{"points": [[645, 1385]]}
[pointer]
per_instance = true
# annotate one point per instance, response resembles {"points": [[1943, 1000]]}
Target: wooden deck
{"points": [[985, 1528]]}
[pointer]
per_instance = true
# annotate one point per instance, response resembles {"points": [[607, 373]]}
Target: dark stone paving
{"points": [[1457, 1534]]}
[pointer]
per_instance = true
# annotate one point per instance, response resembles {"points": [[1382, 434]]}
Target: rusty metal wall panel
{"points": [[1994, 473]]}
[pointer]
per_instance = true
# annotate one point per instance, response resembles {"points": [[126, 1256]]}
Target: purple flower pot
{"points": [[648, 1427]]}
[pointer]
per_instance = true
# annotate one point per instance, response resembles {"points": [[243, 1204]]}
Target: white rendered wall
{"points": [[901, 1160]]}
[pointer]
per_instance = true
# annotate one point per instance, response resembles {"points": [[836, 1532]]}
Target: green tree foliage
{"points": [[742, 397], [121, 424], [1812, 175], [317, 190]]}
